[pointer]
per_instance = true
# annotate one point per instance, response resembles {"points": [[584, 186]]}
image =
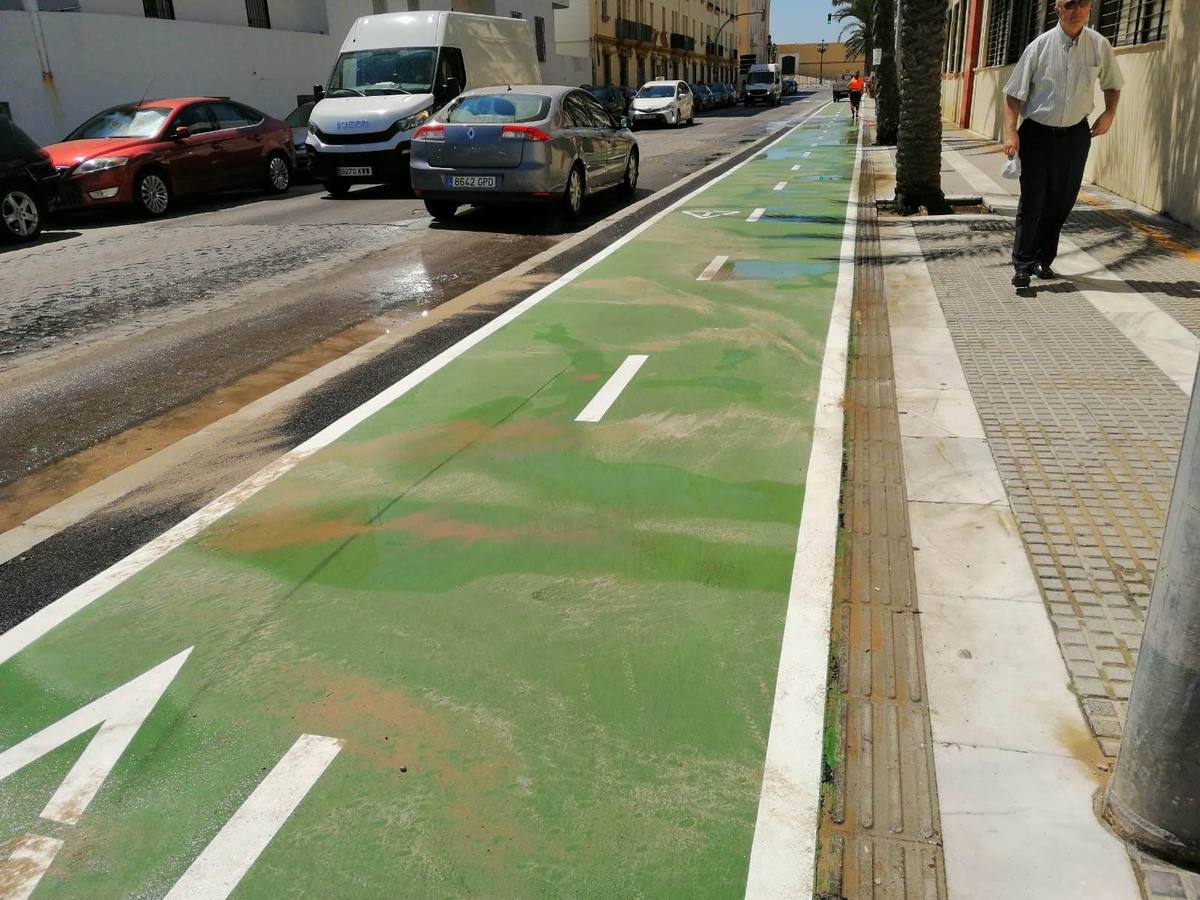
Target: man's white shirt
{"points": [[1056, 76]]}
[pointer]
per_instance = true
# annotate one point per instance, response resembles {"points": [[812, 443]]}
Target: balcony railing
{"points": [[712, 49], [682, 41], [628, 30]]}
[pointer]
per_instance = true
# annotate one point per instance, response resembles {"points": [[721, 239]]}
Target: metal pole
{"points": [[1154, 798]]}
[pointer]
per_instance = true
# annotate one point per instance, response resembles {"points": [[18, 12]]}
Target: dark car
{"points": [[147, 153], [297, 120], [26, 184], [720, 98], [610, 98], [704, 97]]}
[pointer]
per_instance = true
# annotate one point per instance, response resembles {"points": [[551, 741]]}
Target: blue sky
{"points": [[801, 21]]}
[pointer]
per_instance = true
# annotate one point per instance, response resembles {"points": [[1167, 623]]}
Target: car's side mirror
{"points": [[180, 132], [318, 92]]}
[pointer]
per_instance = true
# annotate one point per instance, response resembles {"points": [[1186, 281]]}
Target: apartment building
{"points": [[1152, 153], [754, 32], [67, 59], [630, 42]]}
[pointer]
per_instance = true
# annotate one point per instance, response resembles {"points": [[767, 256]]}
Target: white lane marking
{"points": [[796, 168], [783, 855], [119, 713], [23, 862], [757, 214], [780, 186], [806, 154], [712, 268], [1156, 333], [608, 394], [53, 614], [224, 862]]}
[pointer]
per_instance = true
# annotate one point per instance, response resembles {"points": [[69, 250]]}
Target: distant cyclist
{"points": [[856, 89]]}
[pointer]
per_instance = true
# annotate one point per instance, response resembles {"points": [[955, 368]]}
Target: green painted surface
{"points": [[550, 647]]}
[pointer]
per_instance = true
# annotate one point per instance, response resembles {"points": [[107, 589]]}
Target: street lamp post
{"points": [[821, 48]]}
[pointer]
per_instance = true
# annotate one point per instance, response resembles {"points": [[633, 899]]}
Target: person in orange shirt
{"points": [[856, 89]]}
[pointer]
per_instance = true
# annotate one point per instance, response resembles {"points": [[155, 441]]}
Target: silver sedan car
{"points": [[528, 143]]}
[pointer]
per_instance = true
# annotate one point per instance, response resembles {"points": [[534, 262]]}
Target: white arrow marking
{"points": [[119, 713], [23, 862]]}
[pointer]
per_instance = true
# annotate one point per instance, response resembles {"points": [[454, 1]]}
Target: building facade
{"points": [[1152, 153], [65, 60], [807, 60], [630, 42], [754, 32]]}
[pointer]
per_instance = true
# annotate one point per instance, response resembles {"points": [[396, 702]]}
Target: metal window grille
{"points": [[1012, 24], [257, 14], [1126, 22], [539, 37], [159, 9]]}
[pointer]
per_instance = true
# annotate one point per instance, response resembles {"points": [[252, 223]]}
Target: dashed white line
{"points": [[217, 871], [608, 394], [756, 215], [781, 186], [795, 168], [806, 154], [712, 268]]}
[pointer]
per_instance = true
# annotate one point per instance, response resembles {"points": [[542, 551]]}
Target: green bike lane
{"points": [[473, 647]]}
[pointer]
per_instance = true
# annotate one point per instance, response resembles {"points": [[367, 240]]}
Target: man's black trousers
{"points": [[1052, 162]]}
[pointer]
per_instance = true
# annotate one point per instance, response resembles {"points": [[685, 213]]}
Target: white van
{"points": [[764, 84], [394, 72]]}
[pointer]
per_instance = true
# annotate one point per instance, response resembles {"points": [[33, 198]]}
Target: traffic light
{"points": [[829, 19]]}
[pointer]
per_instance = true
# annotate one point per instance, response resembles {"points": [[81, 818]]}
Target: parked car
{"points": [[790, 86], [704, 97], [841, 88], [26, 184], [529, 143], [718, 94], [146, 154], [630, 93], [297, 120], [733, 94], [393, 73], [610, 98], [667, 102]]}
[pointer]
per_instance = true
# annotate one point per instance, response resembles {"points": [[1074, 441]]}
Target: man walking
{"points": [[1053, 87]]}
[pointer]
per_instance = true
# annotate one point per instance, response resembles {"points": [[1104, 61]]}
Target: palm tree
{"points": [[887, 94], [919, 144], [858, 35]]}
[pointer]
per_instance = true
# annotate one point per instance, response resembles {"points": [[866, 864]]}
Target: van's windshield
{"points": [[392, 70], [761, 77]]}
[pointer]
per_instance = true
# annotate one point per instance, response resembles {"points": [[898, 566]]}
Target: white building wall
{"points": [[97, 61]]}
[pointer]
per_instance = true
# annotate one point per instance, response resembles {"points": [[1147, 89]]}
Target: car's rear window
{"points": [[496, 109]]}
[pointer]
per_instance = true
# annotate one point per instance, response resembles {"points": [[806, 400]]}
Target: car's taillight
{"points": [[523, 133], [435, 131]]}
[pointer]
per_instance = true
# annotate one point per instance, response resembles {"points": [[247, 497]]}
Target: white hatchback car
{"points": [[668, 102]]}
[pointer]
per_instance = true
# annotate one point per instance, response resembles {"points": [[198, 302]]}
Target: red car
{"points": [[148, 153]]}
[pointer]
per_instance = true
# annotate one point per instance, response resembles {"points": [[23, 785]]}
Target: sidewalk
{"points": [[1038, 440]]}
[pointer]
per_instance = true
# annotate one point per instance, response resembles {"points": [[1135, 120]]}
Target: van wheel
{"points": [[337, 187], [442, 210], [572, 202], [152, 193], [277, 177]]}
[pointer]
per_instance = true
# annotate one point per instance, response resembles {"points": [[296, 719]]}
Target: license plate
{"points": [[472, 181], [353, 171]]}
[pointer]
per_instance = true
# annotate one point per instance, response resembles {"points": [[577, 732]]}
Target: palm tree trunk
{"points": [[887, 95], [919, 147]]}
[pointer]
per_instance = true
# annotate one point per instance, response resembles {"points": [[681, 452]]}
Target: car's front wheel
{"points": [[442, 210], [20, 214], [278, 174], [152, 194]]}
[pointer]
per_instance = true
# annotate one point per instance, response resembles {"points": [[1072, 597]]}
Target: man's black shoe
{"points": [[1021, 280], [1045, 272]]}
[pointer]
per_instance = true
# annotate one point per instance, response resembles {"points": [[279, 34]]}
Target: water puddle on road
{"points": [[767, 270]]}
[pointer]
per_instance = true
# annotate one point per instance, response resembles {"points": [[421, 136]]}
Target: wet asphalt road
{"points": [[119, 337]]}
